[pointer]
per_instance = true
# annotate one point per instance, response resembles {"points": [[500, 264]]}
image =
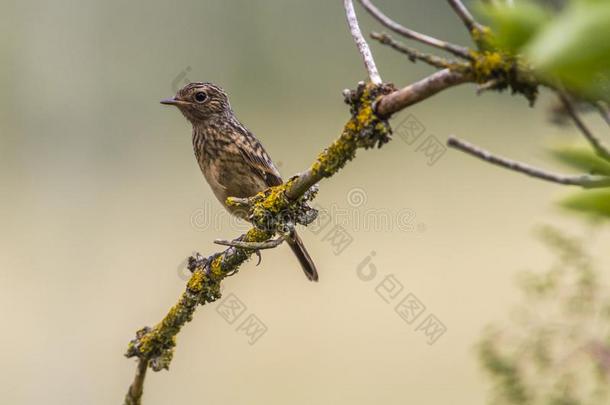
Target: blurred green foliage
{"points": [[566, 43], [571, 45], [556, 348], [514, 27], [581, 158], [595, 203]]}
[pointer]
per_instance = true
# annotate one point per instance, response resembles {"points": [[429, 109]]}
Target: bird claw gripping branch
{"points": [[271, 211]]}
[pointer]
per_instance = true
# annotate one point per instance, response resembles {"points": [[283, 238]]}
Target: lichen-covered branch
{"points": [[584, 180]]}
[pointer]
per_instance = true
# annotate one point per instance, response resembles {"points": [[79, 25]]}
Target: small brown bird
{"points": [[232, 160]]}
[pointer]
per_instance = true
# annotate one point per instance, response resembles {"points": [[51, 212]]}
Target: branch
{"points": [[596, 144], [457, 50], [465, 15], [421, 90], [414, 54], [603, 110], [136, 389], [270, 244], [363, 47], [585, 180]]}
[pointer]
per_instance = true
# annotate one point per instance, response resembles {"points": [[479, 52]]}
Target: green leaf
{"points": [[581, 158], [515, 26], [593, 202], [575, 47]]}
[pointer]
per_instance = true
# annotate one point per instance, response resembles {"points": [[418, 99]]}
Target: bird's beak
{"points": [[172, 101]]}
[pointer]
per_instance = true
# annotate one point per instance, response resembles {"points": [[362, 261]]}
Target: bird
{"points": [[233, 161]]}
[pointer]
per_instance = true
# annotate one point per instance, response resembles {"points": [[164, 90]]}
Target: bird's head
{"points": [[201, 101]]}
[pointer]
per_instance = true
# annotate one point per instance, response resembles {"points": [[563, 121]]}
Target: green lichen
{"points": [[216, 266], [505, 71], [195, 283], [363, 130], [337, 154], [271, 211], [483, 37], [488, 65], [257, 235], [157, 344]]}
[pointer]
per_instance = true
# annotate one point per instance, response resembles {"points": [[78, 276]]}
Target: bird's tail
{"points": [[296, 244]]}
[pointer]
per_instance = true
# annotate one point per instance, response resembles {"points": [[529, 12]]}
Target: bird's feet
{"points": [[254, 246]]}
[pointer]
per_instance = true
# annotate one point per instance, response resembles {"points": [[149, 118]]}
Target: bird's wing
{"points": [[259, 160]]}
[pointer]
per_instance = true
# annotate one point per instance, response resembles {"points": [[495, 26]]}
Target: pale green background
{"points": [[99, 185]]}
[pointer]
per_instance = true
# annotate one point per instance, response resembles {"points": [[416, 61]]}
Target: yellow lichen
{"points": [[231, 202], [491, 65], [365, 116], [195, 284], [216, 267], [344, 149], [489, 62], [339, 152], [483, 37], [275, 200], [257, 235]]}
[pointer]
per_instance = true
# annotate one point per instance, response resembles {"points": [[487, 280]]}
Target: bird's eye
{"points": [[200, 97]]}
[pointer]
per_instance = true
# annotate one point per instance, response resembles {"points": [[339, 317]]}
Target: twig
{"points": [[465, 15], [244, 202], [270, 244], [604, 110], [419, 91], [596, 144], [585, 180], [414, 54], [457, 50], [363, 47], [489, 85], [136, 389]]}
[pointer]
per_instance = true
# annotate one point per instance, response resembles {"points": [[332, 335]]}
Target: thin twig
{"points": [[239, 201], [585, 180], [596, 144], [414, 54], [270, 244], [136, 389], [457, 50], [489, 85], [363, 47], [604, 110], [465, 15], [420, 90]]}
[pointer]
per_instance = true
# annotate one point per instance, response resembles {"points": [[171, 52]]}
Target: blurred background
{"points": [[102, 201]]}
